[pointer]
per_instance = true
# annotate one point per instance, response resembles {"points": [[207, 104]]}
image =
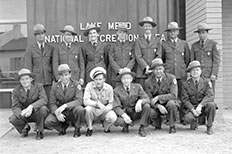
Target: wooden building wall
{"points": [[210, 12], [227, 51], [55, 14]]}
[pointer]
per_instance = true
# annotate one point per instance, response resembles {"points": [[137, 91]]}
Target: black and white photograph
{"points": [[115, 76]]}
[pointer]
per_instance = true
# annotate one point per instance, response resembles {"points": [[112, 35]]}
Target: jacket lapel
{"points": [[200, 85], [60, 90], [171, 44], [69, 89], [152, 40], [206, 44], [143, 40]]}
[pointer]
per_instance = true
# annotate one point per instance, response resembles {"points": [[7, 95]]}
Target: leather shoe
{"points": [[89, 132], [172, 130], [107, 131], [39, 135], [157, 127], [209, 130], [142, 132], [63, 129], [125, 128], [77, 132], [193, 125], [25, 131]]}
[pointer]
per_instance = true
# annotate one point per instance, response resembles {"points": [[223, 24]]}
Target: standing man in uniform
{"points": [[95, 53], [198, 97], [40, 59], [121, 54], [131, 103], [147, 48], [98, 99], [162, 89], [206, 51], [70, 53], [66, 103], [176, 56], [28, 104]]}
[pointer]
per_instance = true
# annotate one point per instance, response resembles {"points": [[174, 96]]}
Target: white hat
{"points": [[96, 71]]}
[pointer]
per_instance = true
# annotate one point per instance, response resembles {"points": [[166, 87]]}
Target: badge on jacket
{"points": [[76, 57], [208, 53], [218, 47], [130, 53], [155, 50], [174, 81], [210, 84]]}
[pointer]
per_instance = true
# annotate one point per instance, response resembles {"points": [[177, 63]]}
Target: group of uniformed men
{"points": [[53, 80]]}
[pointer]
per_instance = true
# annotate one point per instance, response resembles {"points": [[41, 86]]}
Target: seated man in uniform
{"points": [[197, 97], [162, 89], [29, 105], [131, 102], [65, 103], [98, 99]]}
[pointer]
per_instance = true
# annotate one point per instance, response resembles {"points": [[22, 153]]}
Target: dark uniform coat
{"points": [[191, 96], [176, 57], [74, 58], [94, 58], [72, 97], [37, 98], [124, 101], [41, 64], [208, 56], [120, 56], [166, 91], [145, 53]]}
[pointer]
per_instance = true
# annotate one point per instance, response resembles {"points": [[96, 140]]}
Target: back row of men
{"points": [[123, 56]]}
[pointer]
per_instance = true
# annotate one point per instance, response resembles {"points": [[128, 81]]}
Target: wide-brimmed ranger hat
{"points": [[126, 71], [147, 20], [24, 72], [194, 64], [97, 71], [63, 68], [157, 62], [202, 27], [89, 28], [68, 28], [39, 29], [173, 26]]}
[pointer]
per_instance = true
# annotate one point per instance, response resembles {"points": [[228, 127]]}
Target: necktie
{"points": [[28, 93], [159, 81], [122, 43], [174, 42], [94, 45], [148, 41], [196, 84], [69, 46], [128, 90], [42, 48], [65, 89], [202, 43]]}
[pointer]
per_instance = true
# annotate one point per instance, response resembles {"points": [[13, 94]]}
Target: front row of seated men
{"points": [[120, 107]]}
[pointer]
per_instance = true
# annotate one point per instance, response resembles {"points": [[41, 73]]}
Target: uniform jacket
{"points": [[94, 58], [166, 91], [145, 53], [123, 100], [176, 57], [37, 98], [191, 97], [43, 65], [72, 97], [120, 56], [208, 56], [74, 58]]}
